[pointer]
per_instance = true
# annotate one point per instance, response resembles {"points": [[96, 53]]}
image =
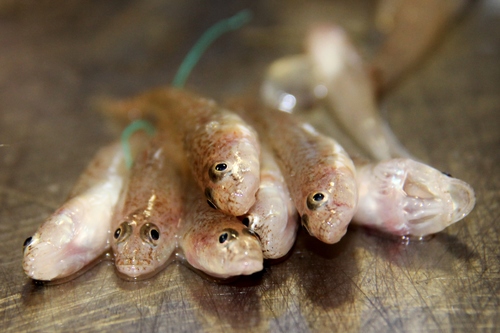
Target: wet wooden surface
{"points": [[56, 62]]}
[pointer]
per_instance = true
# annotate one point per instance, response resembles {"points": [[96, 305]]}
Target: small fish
{"points": [[339, 69], [222, 150], [77, 233], [404, 197], [319, 174], [217, 244], [273, 217], [147, 218]]}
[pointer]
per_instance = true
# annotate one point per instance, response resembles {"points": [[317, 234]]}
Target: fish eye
{"points": [[316, 200], [218, 171], [122, 232], [246, 221], [223, 237], [250, 221], [155, 235], [228, 235], [150, 233], [220, 166], [28, 241], [318, 197]]}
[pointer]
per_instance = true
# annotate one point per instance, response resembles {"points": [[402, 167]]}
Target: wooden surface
{"points": [[57, 61]]}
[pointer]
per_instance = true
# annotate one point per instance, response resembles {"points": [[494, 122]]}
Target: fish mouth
{"points": [[251, 265], [245, 266], [249, 261], [133, 267], [139, 269], [329, 232]]}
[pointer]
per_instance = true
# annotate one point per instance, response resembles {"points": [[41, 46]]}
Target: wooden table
{"points": [[56, 63]]}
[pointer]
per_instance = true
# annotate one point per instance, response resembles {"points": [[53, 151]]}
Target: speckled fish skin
{"points": [[407, 198], [147, 218], [213, 138], [273, 217], [337, 66], [217, 244], [313, 163], [78, 232]]}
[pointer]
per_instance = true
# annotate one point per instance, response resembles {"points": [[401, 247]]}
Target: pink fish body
{"points": [[217, 244], [338, 67], [273, 217], [78, 232], [319, 174], [404, 197], [222, 150]]}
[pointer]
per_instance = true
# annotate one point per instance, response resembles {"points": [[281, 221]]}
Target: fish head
{"points": [[225, 251], [60, 247], [232, 170], [329, 203], [269, 215], [273, 218], [418, 199], [141, 248], [42, 258]]}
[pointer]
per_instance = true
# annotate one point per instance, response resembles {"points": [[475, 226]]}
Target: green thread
{"points": [[127, 133], [208, 37], [187, 65]]}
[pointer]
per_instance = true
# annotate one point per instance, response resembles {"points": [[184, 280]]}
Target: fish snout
{"points": [[235, 178], [252, 258], [247, 254], [133, 267], [329, 230]]}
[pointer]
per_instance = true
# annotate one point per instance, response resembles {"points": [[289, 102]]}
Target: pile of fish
{"points": [[223, 190]]}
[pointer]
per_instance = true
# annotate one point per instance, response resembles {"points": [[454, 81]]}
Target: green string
{"points": [[127, 133], [214, 32], [208, 37]]}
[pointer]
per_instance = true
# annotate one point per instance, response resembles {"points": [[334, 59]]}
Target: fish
{"points": [[349, 92], [147, 218], [404, 197], [222, 150], [273, 217], [319, 174], [411, 29], [216, 244], [78, 232], [289, 84]]}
